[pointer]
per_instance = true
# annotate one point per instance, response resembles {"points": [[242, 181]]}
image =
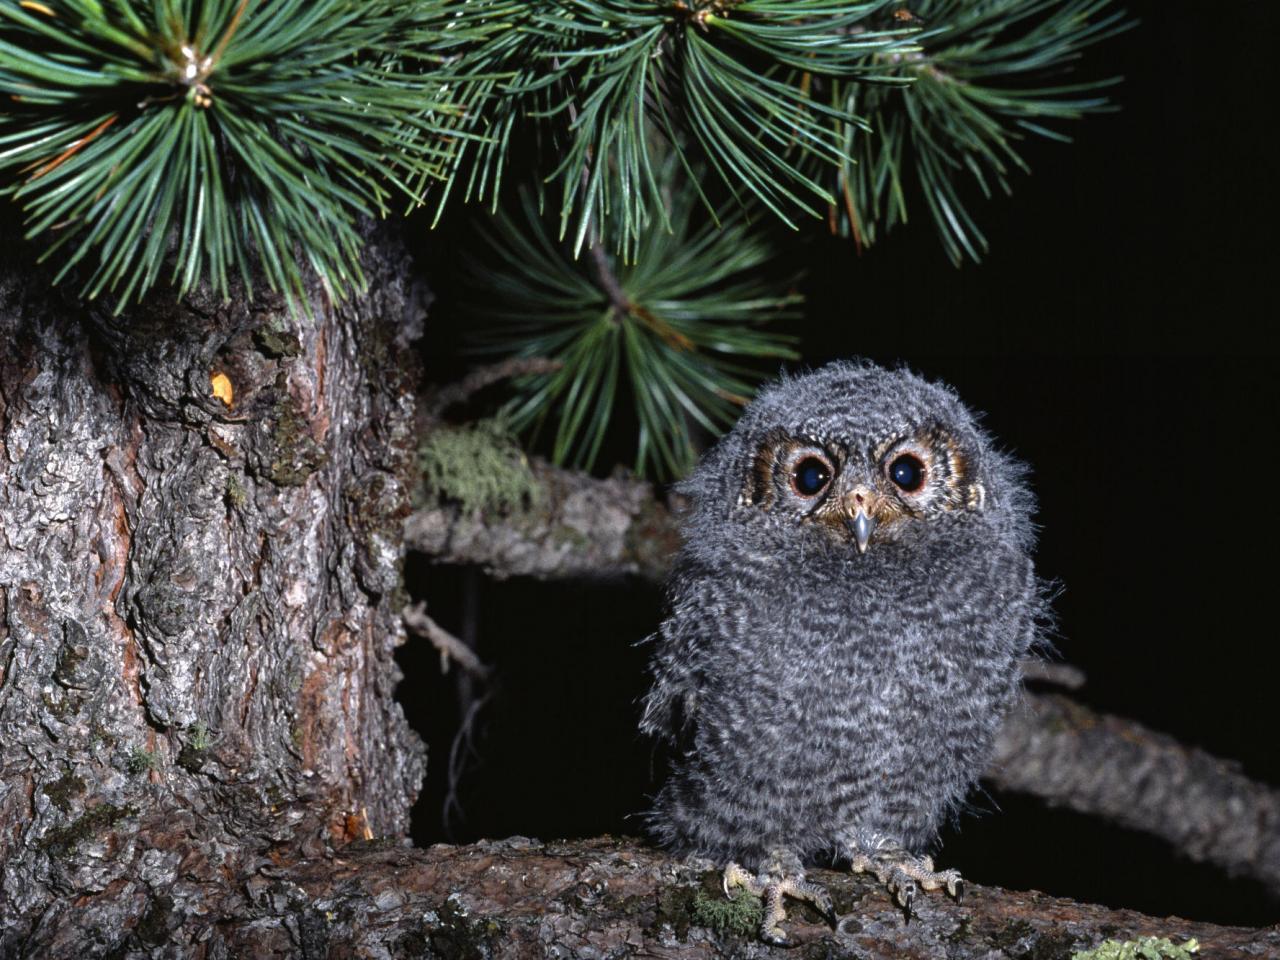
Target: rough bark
{"points": [[199, 600], [1114, 768], [612, 898]]}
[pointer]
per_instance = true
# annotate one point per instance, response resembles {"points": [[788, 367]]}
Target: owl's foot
{"points": [[780, 876], [904, 874]]}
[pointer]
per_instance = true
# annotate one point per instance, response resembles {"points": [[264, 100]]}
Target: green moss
{"points": [[277, 343], [94, 820], [237, 496], [63, 790], [737, 916], [198, 737], [295, 455], [479, 466], [196, 748], [141, 761], [1145, 948]]}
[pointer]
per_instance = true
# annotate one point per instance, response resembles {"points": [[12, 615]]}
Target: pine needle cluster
{"points": [[203, 139], [986, 77], [677, 327]]}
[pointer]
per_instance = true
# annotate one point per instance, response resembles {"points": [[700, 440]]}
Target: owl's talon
{"points": [[905, 875], [781, 877], [904, 891]]}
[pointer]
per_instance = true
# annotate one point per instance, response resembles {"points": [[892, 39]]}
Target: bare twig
{"points": [[607, 279], [1055, 674], [463, 390], [461, 752], [450, 647]]}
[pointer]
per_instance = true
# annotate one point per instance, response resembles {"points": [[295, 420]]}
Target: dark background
{"points": [[1118, 336]]}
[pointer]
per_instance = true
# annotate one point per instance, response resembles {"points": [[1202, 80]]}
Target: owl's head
{"points": [[856, 457]]}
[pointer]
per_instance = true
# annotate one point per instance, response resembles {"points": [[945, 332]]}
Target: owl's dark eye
{"points": [[907, 472], [810, 476]]}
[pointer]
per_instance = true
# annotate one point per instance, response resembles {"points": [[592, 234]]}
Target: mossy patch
{"points": [[295, 454], [237, 495], [479, 466], [194, 751], [737, 916], [141, 761], [90, 824], [1144, 948], [63, 790]]}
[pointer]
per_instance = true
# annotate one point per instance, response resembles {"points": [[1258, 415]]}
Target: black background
{"points": [[1118, 336]]}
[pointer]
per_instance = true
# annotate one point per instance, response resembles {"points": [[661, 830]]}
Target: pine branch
{"points": [[615, 85], [190, 142], [197, 141], [581, 528], [679, 325], [1113, 768], [986, 76], [611, 897]]}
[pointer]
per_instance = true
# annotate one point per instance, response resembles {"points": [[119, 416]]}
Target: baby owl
{"points": [[846, 618]]}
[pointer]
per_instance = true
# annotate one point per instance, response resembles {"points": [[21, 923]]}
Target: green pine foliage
{"points": [[677, 328], [807, 108], [205, 141], [614, 85], [986, 76], [204, 138]]}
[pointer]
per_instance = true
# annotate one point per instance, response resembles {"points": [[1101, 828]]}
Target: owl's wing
{"points": [[677, 665]]}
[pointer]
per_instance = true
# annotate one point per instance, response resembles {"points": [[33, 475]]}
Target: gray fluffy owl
{"points": [[847, 614]]}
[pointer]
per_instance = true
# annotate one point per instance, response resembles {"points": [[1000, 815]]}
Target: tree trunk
{"points": [[200, 506]]}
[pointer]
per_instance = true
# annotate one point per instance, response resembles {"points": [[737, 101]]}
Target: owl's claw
{"points": [[771, 885], [905, 875]]}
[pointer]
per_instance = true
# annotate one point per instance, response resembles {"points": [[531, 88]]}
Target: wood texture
{"points": [[199, 600]]}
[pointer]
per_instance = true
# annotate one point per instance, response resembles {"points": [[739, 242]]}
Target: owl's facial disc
{"points": [[862, 495]]}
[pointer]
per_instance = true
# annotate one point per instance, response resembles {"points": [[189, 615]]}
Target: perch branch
{"points": [[607, 897], [1062, 675]]}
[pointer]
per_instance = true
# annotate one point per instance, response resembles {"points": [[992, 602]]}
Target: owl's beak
{"points": [[858, 518]]}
